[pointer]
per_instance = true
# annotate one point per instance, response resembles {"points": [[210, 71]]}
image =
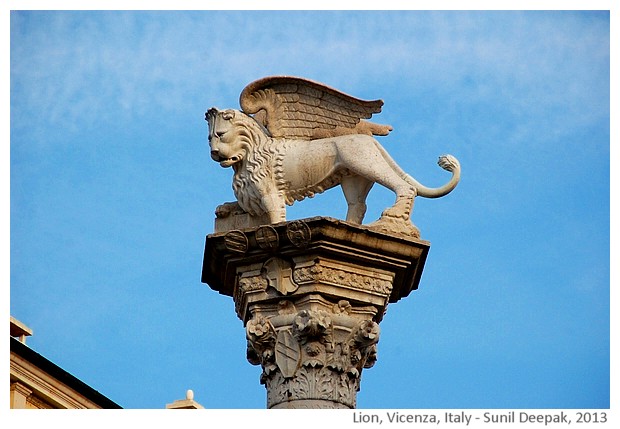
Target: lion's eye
{"points": [[220, 134]]}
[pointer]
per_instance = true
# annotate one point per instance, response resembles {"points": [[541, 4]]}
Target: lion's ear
{"points": [[228, 114]]}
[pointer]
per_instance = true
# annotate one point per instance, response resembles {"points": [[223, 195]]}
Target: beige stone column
{"points": [[311, 294]]}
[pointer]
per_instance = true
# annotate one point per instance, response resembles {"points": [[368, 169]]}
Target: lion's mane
{"points": [[263, 163]]}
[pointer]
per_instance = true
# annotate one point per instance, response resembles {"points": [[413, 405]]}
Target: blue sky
{"points": [[112, 192]]}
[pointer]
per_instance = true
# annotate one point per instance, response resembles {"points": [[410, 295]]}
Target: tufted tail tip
{"points": [[448, 162]]}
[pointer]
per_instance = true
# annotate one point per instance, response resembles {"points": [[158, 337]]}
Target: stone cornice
{"points": [[324, 237]]}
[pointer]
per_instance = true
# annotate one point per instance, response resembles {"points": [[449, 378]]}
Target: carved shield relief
{"points": [[279, 275], [288, 353]]}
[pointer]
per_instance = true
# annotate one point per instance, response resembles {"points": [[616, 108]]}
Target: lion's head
{"points": [[231, 135], [237, 140]]}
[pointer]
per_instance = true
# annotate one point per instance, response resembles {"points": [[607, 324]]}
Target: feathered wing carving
{"points": [[299, 108]]}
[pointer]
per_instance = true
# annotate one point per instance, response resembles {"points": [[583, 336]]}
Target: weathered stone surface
{"points": [[311, 301]]}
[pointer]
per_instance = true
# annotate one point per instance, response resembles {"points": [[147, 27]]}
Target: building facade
{"points": [[38, 383]]}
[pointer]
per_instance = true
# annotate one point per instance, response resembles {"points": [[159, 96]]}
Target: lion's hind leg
{"points": [[367, 163], [356, 189], [397, 218]]}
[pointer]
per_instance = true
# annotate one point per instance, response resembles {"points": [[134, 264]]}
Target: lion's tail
{"points": [[447, 162]]}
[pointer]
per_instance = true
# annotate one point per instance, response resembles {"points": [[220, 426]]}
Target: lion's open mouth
{"points": [[227, 162]]}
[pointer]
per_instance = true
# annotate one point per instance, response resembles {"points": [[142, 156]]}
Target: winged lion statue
{"points": [[295, 138]]}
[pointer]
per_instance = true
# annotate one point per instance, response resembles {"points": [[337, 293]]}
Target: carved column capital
{"points": [[311, 294], [311, 357]]}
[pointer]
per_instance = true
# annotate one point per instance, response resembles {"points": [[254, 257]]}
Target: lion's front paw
{"points": [[226, 209]]}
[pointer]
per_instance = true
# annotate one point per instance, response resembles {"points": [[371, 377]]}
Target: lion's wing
{"points": [[293, 107]]}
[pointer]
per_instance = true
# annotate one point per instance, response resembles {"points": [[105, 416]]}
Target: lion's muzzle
{"points": [[224, 162]]}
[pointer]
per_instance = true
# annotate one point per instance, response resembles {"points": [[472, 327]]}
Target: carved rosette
{"points": [[312, 357], [261, 338]]}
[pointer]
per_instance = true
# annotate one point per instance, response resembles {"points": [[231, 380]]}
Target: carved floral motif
{"points": [[321, 273], [252, 283], [261, 338], [311, 324], [248, 284], [342, 307]]}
